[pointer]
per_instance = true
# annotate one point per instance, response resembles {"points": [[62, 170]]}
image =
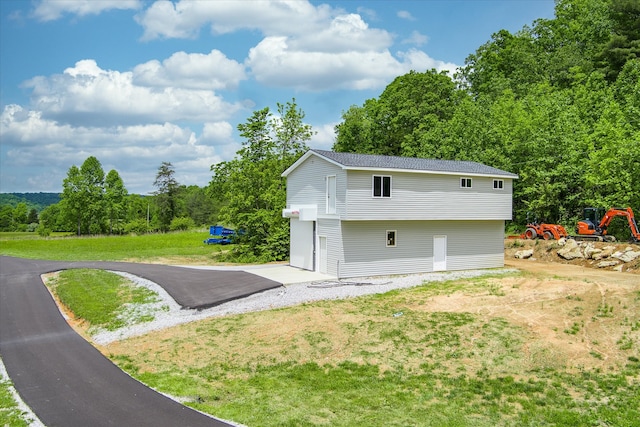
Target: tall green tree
{"points": [[6, 218], [32, 218], [166, 195], [251, 186], [393, 124], [199, 206], [53, 218], [20, 215], [624, 42], [356, 132], [92, 179], [72, 202], [84, 201], [115, 196]]}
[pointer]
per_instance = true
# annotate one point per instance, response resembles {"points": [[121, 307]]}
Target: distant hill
{"points": [[37, 201]]}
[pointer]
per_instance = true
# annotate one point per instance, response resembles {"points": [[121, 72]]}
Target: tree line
{"points": [[94, 203], [557, 103]]}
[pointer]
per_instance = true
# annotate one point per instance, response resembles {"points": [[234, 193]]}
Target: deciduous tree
{"points": [[251, 186], [166, 195], [115, 196]]}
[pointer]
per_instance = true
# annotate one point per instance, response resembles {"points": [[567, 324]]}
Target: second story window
{"points": [[498, 184], [381, 186], [465, 182]]}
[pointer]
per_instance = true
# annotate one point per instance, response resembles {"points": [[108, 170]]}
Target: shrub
{"points": [[43, 230], [138, 226], [181, 224]]}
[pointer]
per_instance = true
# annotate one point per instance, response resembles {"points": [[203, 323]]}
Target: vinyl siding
{"points": [[306, 185], [470, 245], [475, 244], [330, 228], [420, 196]]}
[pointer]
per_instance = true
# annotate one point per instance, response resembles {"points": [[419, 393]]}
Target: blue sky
{"points": [[135, 83]]}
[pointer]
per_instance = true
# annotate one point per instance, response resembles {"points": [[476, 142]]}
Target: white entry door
{"points": [[322, 254], [439, 253]]}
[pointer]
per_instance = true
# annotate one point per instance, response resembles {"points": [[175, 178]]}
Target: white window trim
{"points": [[395, 238], [500, 183], [381, 196], [464, 180]]}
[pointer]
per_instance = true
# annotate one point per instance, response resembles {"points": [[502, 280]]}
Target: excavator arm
{"points": [[615, 212]]}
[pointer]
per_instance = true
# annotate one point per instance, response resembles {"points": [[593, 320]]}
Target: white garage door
{"points": [[302, 241]]}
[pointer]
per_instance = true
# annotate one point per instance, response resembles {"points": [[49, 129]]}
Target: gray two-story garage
{"points": [[363, 215]]}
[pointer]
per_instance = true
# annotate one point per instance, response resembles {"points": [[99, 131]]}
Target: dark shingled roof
{"points": [[352, 160]]}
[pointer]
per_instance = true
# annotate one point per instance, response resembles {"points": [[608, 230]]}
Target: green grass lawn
{"points": [[105, 300], [10, 413], [147, 247]]}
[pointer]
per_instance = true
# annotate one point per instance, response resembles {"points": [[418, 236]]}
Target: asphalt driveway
{"points": [[63, 378]]}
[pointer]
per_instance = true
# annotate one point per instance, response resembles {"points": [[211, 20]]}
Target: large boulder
{"points": [[590, 251], [627, 256], [524, 254], [571, 250], [604, 264]]}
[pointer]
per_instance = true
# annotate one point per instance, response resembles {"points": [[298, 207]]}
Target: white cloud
{"points": [[274, 63], [324, 138], [345, 33], [304, 47], [406, 15], [88, 94], [165, 19], [50, 10], [212, 71], [416, 39], [46, 149]]}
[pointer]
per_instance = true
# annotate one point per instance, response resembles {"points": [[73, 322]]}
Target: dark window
{"points": [[465, 182], [498, 184], [381, 186], [391, 237]]}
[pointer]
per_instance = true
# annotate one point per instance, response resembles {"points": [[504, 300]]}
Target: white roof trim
{"points": [[304, 157]]}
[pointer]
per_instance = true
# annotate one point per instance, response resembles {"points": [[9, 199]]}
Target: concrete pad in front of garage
{"points": [[288, 275], [281, 273]]}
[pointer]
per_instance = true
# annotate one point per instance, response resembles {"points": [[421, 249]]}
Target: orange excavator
{"points": [[593, 228]]}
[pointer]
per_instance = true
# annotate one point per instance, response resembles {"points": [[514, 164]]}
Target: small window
{"points": [[381, 186], [391, 238], [465, 182], [498, 184]]}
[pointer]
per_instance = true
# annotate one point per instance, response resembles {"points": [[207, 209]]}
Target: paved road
{"points": [[63, 378]]}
